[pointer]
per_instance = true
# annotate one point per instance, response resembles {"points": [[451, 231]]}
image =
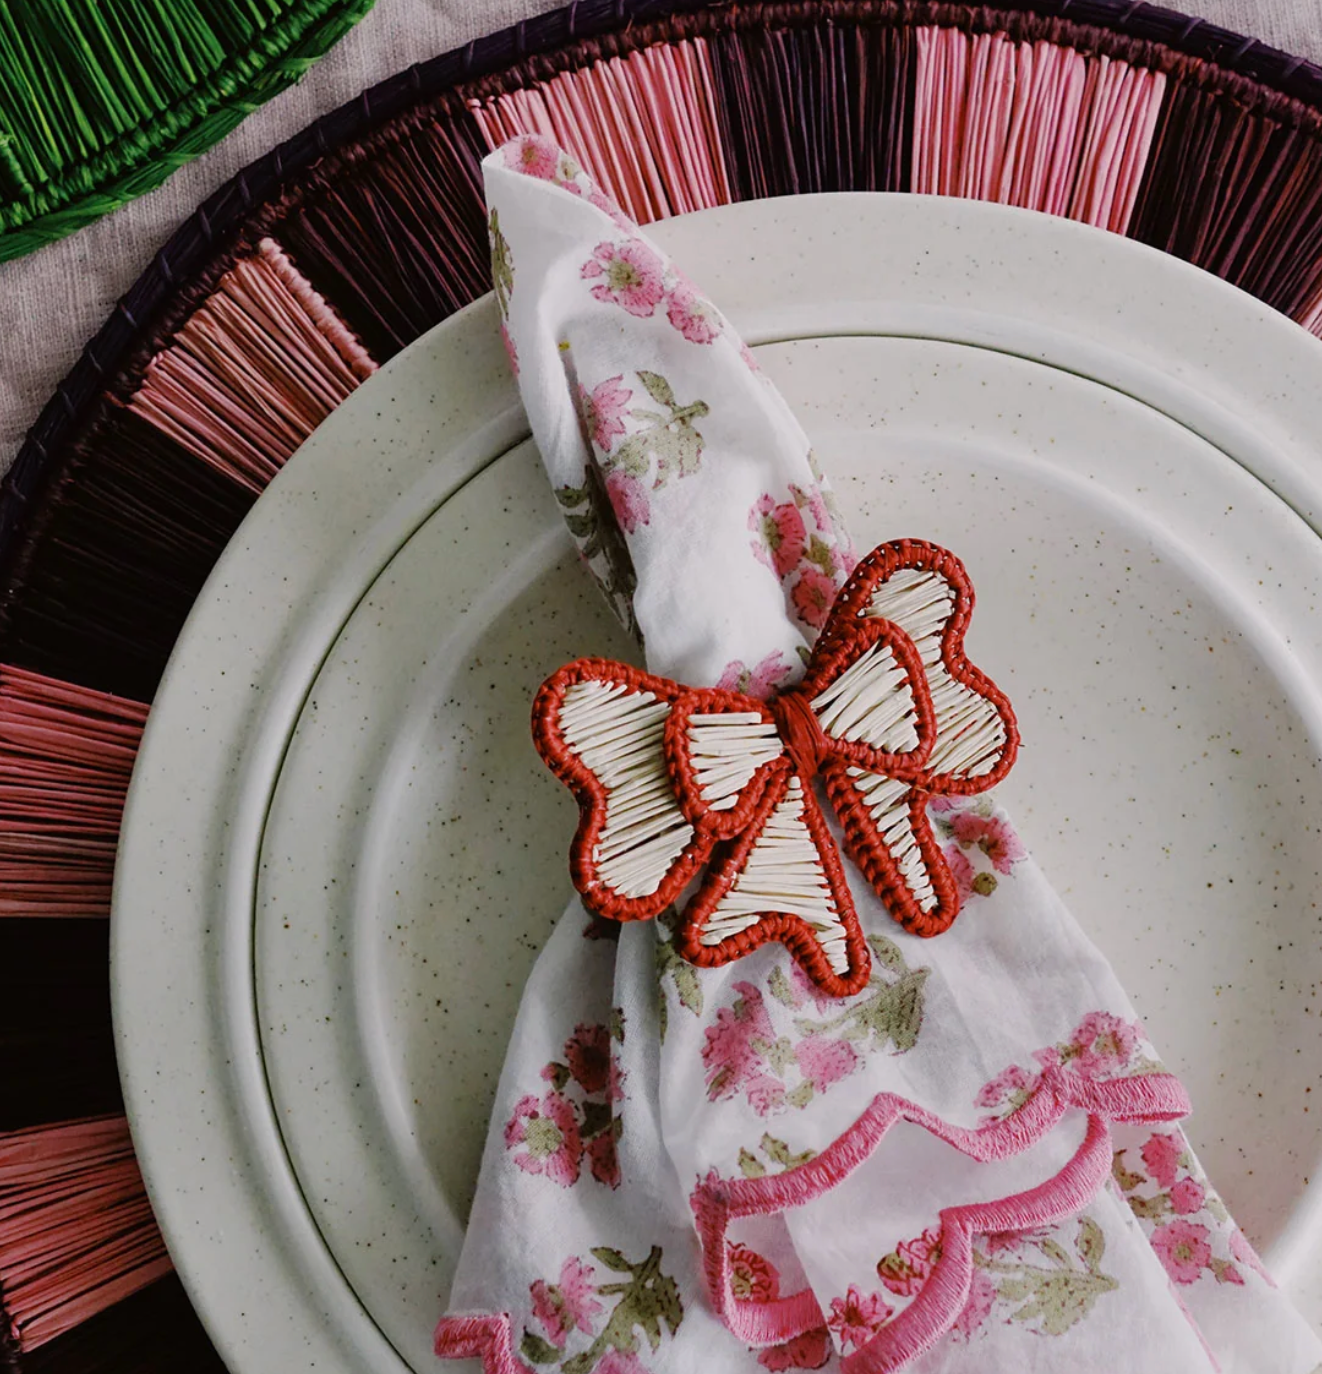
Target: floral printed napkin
{"points": [[971, 1165]]}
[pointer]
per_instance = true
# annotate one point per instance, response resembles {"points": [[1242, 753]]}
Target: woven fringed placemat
{"points": [[293, 283], [100, 100]]}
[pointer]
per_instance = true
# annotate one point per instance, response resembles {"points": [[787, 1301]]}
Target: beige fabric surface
{"points": [[52, 302]]}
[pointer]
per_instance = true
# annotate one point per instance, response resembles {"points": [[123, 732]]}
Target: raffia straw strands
{"points": [[783, 873], [815, 107], [618, 734], [1032, 124], [76, 1230], [66, 754], [102, 99], [113, 565], [726, 750], [1236, 187], [257, 367], [644, 126], [154, 1331], [1311, 319], [398, 239]]}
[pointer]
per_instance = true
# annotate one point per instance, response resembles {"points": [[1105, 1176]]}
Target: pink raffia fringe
{"points": [[255, 369], [1032, 124], [1157, 1097], [644, 127]]}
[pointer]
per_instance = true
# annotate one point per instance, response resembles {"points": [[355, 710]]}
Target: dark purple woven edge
{"points": [[191, 246]]}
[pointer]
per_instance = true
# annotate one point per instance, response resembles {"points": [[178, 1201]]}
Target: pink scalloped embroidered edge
{"points": [[487, 1335], [716, 1202]]}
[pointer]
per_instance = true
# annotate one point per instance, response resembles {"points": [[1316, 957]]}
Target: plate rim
{"points": [[227, 1137]]}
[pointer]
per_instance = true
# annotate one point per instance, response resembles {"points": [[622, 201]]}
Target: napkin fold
{"points": [[971, 1164]]}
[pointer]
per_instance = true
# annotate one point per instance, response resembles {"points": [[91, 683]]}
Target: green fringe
{"points": [[100, 100]]}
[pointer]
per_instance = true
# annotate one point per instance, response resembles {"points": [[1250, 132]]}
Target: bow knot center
{"points": [[800, 732]]}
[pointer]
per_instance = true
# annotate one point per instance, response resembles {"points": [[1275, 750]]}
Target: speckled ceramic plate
{"points": [[341, 854]]}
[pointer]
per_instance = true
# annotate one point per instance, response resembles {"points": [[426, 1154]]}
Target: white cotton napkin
{"points": [[971, 1165]]}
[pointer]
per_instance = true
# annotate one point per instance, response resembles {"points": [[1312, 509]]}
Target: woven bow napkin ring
{"points": [[674, 782]]}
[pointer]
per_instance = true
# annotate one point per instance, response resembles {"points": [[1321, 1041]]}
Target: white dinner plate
{"points": [[341, 854]]}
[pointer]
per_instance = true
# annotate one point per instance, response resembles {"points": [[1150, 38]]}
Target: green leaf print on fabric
{"points": [[661, 444], [588, 513], [673, 970]]}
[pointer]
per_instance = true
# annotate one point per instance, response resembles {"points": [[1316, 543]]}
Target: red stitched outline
{"points": [[792, 931], [846, 645], [849, 632], [716, 1201], [587, 788], [851, 605], [722, 825], [485, 1334], [867, 848]]}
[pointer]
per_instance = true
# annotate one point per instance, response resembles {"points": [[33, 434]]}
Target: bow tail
{"points": [[781, 879], [889, 836]]}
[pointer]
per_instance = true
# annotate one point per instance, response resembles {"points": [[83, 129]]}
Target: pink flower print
{"points": [[1013, 1086], [533, 155], [511, 352], [746, 354], [824, 1061], [628, 498], [961, 870], [603, 409], [780, 534], [1227, 1273], [728, 1054], [1246, 1254], [1161, 1154], [615, 1081], [619, 1362], [1182, 1248], [758, 682], [907, 1267], [993, 836], [977, 1308], [693, 315], [605, 204], [1187, 1197], [806, 990], [811, 498], [808, 1351], [812, 597], [752, 1277], [588, 1053], [550, 1133], [568, 1305], [765, 1094], [632, 276], [857, 1317], [1101, 1044], [604, 1159]]}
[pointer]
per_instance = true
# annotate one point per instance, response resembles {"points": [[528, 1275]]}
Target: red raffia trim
{"points": [[486, 1335], [716, 1202]]}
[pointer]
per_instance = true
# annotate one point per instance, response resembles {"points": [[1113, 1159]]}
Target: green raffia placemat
{"points": [[100, 100]]}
